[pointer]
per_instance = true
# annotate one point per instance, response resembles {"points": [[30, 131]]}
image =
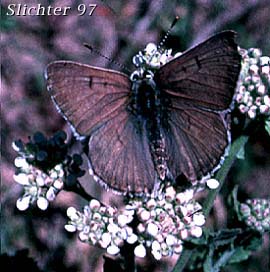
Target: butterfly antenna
{"points": [[162, 42], [122, 66]]}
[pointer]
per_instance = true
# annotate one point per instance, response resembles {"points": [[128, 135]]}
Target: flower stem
{"points": [[237, 145], [221, 175]]}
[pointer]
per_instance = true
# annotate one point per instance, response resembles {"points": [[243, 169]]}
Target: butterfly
{"points": [[156, 124]]}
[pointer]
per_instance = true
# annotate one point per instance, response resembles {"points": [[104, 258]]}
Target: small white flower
{"points": [[184, 234], [141, 228], [239, 98], [97, 216], [40, 181], [265, 70], [243, 108], [152, 229], [251, 113], [83, 236], [264, 109], [170, 193], [151, 204], [42, 203], [199, 219], [212, 183], [145, 215], [178, 248], [132, 238], [22, 179], [113, 228], [189, 194], [94, 204], [58, 184], [23, 203], [180, 198], [160, 238], [129, 230], [122, 220], [72, 213], [70, 228], [266, 100], [50, 195], [157, 255], [21, 162], [254, 69], [156, 246], [264, 60], [106, 239], [196, 231], [261, 89], [140, 251], [113, 250], [170, 240], [53, 174]]}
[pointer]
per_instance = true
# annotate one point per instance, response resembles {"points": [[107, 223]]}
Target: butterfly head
{"points": [[148, 61]]}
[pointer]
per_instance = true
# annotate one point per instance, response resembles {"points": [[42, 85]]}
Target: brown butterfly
{"points": [[156, 125]]}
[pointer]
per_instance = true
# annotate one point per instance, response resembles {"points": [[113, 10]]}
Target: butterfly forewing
{"points": [[87, 96], [95, 102], [204, 76]]}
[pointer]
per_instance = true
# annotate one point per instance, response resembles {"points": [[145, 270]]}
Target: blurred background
{"points": [[118, 29]]}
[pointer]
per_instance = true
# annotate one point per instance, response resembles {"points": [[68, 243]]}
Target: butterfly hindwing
{"points": [[195, 141], [121, 155]]}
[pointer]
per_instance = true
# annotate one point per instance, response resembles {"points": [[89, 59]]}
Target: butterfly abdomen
{"points": [[147, 107]]}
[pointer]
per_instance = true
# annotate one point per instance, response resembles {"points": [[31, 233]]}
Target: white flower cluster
{"points": [[38, 186], [253, 93], [167, 220], [256, 214], [102, 226], [164, 222]]}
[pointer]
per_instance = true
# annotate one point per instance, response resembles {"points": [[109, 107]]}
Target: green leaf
{"points": [[225, 237], [251, 242], [240, 254], [256, 241], [208, 264], [236, 203], [223, 259], [267, 126]]}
